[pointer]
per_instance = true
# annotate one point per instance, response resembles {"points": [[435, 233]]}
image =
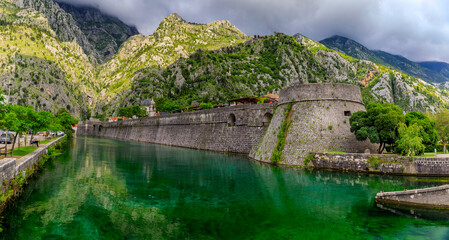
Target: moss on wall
{"points": [[277, 154]]}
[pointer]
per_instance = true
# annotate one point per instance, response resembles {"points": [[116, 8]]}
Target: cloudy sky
{"points": [[416, 29]]}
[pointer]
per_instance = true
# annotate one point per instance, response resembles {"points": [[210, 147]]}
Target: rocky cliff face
{"points": [[61, 22], [43, 71], [99, 35], [174, 39], [105, 33]]}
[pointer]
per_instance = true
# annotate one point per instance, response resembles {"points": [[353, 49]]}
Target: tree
{"points": [[410, 142], [379, 124], [442, 126], [42, 121], [54, 124], [124, 112], [166, 105], [66, 121], [428, 133], [25, 118], [8, 121], [132, 111], [138, 111]]}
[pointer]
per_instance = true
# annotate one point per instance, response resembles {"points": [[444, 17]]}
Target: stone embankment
{"points": [[10, 167], [427, 203], [381, 163], [434, 197]]}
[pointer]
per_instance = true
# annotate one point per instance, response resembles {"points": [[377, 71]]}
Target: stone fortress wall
{"points": [[309, 120], [231, 129], [317, 119]]}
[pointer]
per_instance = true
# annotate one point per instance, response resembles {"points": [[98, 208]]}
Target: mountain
{"points": [[142, 56], [44, 71], [411, 68], [267, 64], [351, 48], [104, 32], [53, 60], [98, 34], [357, 50], [61, 22], [52, 64], [439, 67]]}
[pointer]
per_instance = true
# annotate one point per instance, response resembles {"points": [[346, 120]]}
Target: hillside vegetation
{"points": [[267, 64], [142, 56]]}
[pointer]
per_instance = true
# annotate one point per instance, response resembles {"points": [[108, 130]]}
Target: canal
{"points": [[108, 189]]}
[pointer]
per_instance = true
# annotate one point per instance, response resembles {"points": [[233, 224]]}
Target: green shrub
{"points": [[375, 161], [308, 159], [206, 105]]}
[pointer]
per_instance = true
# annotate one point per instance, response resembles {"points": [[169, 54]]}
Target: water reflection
{"points": [[106, 189]]}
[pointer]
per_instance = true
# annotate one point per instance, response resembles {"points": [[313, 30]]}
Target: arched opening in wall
{"points": [[95, 128], [267, 119], [348, 113], [231, 120], [99, 128]]}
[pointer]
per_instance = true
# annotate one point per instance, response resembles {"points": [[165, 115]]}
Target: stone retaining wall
{"points": [[7, 169], [381, 163], [10, 167], [231, 129], [28, 160]]}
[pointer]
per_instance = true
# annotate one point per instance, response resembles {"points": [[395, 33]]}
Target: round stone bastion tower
{"points": [[311, 118]]}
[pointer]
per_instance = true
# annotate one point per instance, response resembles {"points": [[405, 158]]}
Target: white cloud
{"points": [[416, 29]]}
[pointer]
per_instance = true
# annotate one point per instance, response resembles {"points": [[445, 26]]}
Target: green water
{"points": [[107, 189]]}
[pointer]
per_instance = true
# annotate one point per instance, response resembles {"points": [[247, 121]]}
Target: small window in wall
{"points": [[231, 120], [348, 113], [99, 128], [267, 119]]}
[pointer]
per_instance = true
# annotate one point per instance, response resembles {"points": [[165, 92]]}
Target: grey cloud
{"points": [[417, 29]]}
